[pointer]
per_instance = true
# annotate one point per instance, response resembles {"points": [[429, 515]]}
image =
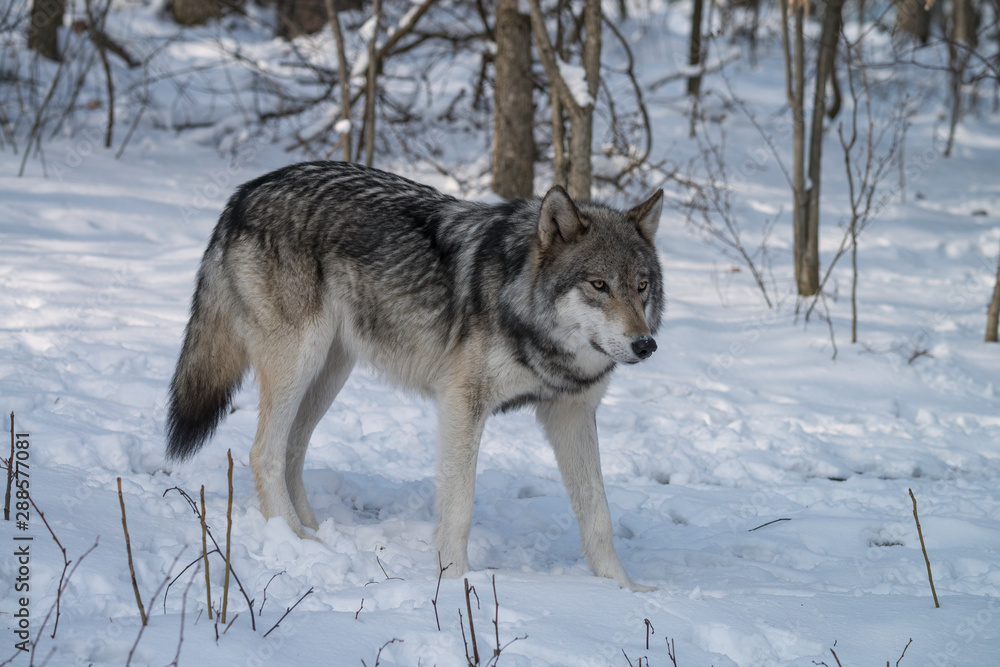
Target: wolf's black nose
{"points": [[643, 346]]}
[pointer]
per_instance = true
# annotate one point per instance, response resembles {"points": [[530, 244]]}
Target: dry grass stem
{"points": [[128, 550], [204, 551], [923, 548], [229, 534]]}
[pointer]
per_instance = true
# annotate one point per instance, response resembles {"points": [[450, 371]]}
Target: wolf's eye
{"points": [[599, 285], [643, 284]]}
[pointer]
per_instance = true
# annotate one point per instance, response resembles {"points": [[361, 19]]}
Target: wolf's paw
{"points": [[639, 588], [306, 533]]}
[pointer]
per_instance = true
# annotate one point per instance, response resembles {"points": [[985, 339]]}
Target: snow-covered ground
{"points": [[740, 419]]}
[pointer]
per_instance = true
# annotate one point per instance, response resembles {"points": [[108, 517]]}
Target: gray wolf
{"points": [[482, 307]]}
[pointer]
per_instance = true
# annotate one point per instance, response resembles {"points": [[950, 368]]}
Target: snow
{"points": [[576, 80], [740, 419]]}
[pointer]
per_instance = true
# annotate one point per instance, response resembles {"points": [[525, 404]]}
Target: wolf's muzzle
{"points": [[644, 347]]}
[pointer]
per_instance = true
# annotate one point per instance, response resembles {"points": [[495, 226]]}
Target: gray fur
{"points": [[318, 266]]}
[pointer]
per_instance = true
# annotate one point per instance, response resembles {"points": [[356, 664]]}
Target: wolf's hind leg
{"points": [[571, 426], [284, 373], [321, 393]]}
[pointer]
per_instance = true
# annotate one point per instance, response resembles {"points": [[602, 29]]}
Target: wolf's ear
{"points": [[559, 219], [646, 216]]}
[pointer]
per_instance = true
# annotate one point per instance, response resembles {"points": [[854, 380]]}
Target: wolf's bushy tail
{"points": [[211, 367]]}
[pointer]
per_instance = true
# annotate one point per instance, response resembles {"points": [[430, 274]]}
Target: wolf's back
{"points": [[212, 363], [286, 236]]}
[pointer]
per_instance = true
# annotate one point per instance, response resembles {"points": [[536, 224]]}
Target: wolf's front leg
{"points": [[571, 427], [460, 428]]}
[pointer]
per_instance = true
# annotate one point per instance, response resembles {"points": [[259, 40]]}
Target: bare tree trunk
{"points": [[344, 74], [370, 88], [956, 65], [966, 20], [304, 17], [299, 17], [95, 25], [806, 276], [824, 69], [995, 6], [196, 12], [581, 134], [854, 280], [560, 165], [913, 18], [583, 130], [993, 315], [560, 161], [43, 32], [805, 220], [581, 115], [513, 163], [800, 222], [694, 49], [963, 41]]}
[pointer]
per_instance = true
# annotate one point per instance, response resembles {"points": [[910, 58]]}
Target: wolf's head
{"points": [[604, 276]]}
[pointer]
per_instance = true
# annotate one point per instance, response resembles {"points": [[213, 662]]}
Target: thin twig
{"points": [[496, 616], [128, 550], [180, 574], [904, 651], [102, 52], [288, 610], [156, 594], [472, 626], [229, 534], [829, 322], [768, 139], [10, 472], [204, 550], [180, 638], [465, 642], [863, 180], [378, 656], [63, 582], [634, 162], [36, 128], [218, 550], [233, 620], [386, 574], [434, 602], [264, 601], [923, 548], [716, 196], [402, 30], [767, 524], [671, 651], [67, 572]]}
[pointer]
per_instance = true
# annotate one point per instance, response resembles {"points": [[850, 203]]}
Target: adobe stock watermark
{"points": [[77, 152], [211, 195], [20, 519], [722, 362], [976, 285], [70, 333], [967, 631]]}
